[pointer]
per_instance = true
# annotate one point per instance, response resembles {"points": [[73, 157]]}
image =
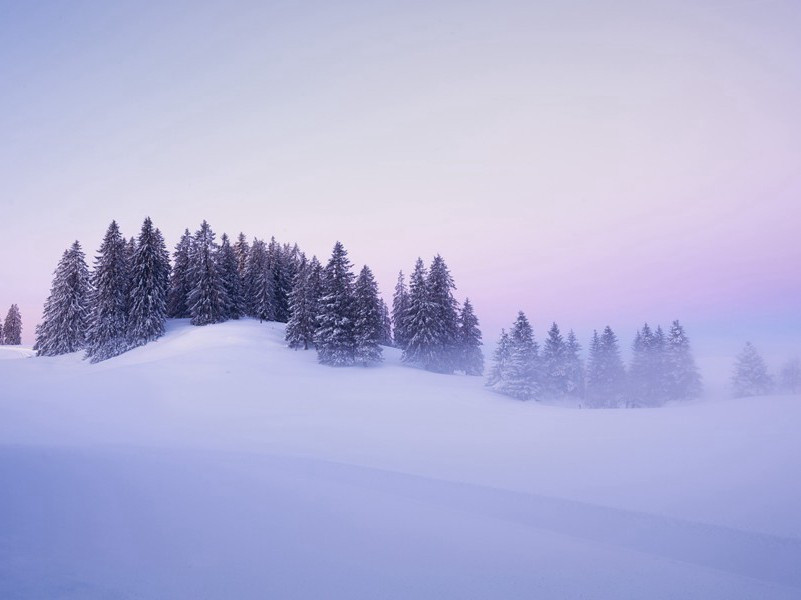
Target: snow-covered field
{"points": [[215, 463]]}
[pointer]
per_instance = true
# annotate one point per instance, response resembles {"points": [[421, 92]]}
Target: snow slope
{"points": [[215, 463]]}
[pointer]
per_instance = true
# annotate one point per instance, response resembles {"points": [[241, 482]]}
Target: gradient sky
{"points": [[591, 162]]}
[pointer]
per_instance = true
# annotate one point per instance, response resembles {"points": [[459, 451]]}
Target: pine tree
{"points": [[500, 362], [242, 250], [259, 290], [107, 328], [446, 317], [521, 379], [606, 375], [386, 325], [471, 359], [683, 382], [12, 329], [647, 377], [750, 376], [148, 292], [400, 307], [66, 311], [303, 307], [368, 320], [334, 336], [574, 367], [208, 300], [278, 266], [180, 282], [418, 323], [554, 364], [790, 377], [229, 272]]}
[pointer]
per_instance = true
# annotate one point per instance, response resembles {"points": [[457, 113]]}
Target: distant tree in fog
{"points": [[750, 376]]}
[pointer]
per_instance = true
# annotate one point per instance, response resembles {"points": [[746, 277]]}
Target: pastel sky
{"points": [[591, 162]]}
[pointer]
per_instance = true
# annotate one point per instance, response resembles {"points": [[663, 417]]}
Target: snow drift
{"points": [[215, 463]]}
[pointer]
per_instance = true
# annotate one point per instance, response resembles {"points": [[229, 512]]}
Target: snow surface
{"points": [[216, 463], [12, 352]]}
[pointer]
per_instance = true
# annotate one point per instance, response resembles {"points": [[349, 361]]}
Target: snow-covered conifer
{"points": [[751, 376], [180, 279], [303, 308], [259, 292], [790, 377], [471, 359], [2, 337], [368, 320], [208, 300], [606, 375], [107, 327], [334, 336], [242, 250], [554, 364], [400, 306], [521, 378], [683, 382], [148, 292], [418, 323], [574, 367], [386, 325], [278, 265], [229, 272], [446, 317], [500, 362], [12, 328]]}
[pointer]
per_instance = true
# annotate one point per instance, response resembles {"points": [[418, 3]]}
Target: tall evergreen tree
{"points": [[554, 364], [647, 381], [400, 307], [446, 317], [368, 320], [303, 307], [208, 300], [66, 311], [148, 291], [574, 367], [12, 329], [500, 362], [419, 324], [229, 272], [278, 264], [334, 336], [259, 288], [471, 359], [790, 377], [521, 380], [180, 279], [751, 376], [606, 375], [242, 250], [386, 325], [683, 382], [106, 333]]}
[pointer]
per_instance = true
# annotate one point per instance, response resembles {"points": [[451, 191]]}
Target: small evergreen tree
{"points": [[647, 377], [400, 307], [148, 291], [606, 375], [446, 317], [12, 329], [229, 272], [554, 364], [574, 367], [334, 336], [683, 382], [108, 319], [500, 362], [208, 300], [303, 307], [790, 377], [750, 376], [471, 359], [418, 324], [180, 281], [368, 320], [521, 379]]}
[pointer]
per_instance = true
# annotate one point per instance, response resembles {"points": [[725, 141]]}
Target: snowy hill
{"points": [[215, 463]]}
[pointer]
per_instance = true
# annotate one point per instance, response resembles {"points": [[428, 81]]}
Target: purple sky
{"points": [[589, 162]]}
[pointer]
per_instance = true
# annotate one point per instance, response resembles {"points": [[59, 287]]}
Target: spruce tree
{"points": [[368, 320], [148, 291], [446, 317], [500, 362], [400, 307], [471, 359], [107, 328], [750, 376], [303, 307], [554, 364], [646, 381], [279, 271], [334, 336], [521, 379], [386, 325], [180, 279], [229, 272], [260, 283], [574, 367], [606, 375], [208, 300], [790, 377], [683, 382], [242, 250], [12, 329], [419, 324]]}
